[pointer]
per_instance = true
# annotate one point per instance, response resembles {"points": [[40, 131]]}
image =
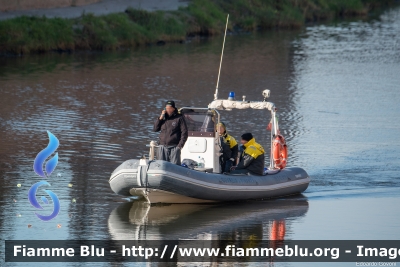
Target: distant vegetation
{"points": [[137, 27]]}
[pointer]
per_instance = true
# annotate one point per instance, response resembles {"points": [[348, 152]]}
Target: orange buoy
{"points": [[280, 152]]}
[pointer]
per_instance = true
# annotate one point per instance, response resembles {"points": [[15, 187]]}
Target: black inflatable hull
{"points": [[161, 181]]}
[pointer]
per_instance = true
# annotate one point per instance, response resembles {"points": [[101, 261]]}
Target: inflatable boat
{"points": [[158, 181]]}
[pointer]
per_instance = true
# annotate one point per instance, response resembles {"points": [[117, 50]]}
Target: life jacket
{"points": [[228, 139], [229, 147], [253, 149]]}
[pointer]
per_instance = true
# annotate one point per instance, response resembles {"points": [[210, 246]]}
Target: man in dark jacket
{"points": [[173, 134], [252, 159]]}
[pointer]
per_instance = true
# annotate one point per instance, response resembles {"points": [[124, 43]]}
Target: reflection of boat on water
{"points": [[139, 220]]}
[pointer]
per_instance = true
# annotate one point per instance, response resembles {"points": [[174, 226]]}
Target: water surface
{"points": [[336, 87]]}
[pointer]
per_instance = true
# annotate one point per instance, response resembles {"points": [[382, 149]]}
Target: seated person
{"points": [[229, 148], [252, 158]]}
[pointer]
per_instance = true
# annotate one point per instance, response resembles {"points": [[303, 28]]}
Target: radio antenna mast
{"points": [[220, 63]]}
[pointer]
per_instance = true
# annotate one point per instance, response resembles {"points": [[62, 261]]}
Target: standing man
{"points": [[229, 148], [173, 133], [252, 159]]}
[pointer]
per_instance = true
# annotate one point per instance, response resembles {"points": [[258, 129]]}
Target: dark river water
{"points": [[337, 89]]}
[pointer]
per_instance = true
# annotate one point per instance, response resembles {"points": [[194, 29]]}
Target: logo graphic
{"points": [[44, 154], [46, 172]]}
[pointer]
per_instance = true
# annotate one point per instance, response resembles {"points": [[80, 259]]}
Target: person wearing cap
{"points": [[173, 134], [252, 158], [229, 148]]}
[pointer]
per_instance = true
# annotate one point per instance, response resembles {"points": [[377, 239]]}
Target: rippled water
{"points": [[337, 89]]}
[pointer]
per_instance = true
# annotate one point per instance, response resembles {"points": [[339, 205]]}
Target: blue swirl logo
{"points": [[45, 172]]}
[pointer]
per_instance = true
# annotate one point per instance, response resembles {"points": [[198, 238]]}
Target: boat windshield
{"points": [[199, 121]]}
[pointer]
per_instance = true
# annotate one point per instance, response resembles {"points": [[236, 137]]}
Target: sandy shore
{"points": [[101, 8]]}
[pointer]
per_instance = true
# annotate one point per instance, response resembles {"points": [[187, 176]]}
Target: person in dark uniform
{"points": [[229, 148], [252, 158], [173, 134]]}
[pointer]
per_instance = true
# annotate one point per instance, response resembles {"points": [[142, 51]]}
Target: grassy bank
{"points": [[137, 27]]}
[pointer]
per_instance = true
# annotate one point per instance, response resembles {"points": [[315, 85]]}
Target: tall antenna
{"points": [[220, 63]]}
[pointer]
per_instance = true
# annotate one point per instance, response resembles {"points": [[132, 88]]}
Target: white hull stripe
{"points": [[125, 171]]}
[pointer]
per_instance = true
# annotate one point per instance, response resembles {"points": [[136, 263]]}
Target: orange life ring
{"points": [[278, 230], [280, 152]]}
